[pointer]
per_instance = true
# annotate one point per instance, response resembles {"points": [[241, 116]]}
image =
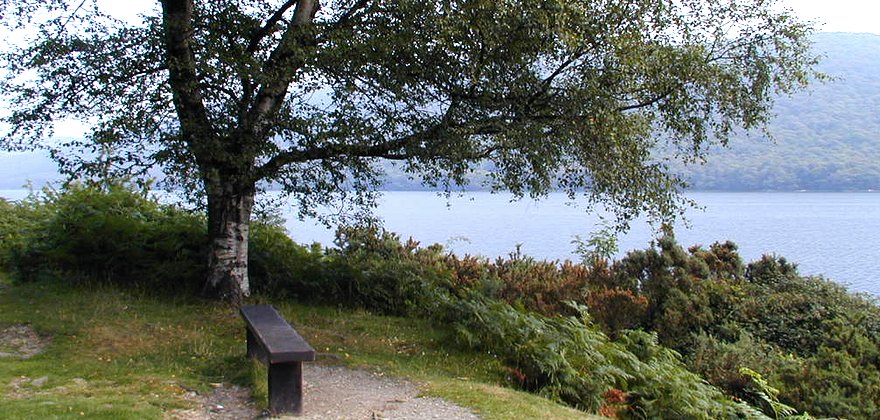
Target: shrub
{"points": [[374, 270], [539, 286], [722, 260], [814, 344], [17, 220], [683, 297], [564, 359], [799, 313], [117, 234], [279, 267], [113, 234], [617, 309], [722, 363]]}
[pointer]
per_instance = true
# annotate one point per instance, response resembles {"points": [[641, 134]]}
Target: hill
{"points": [[825, 138]]}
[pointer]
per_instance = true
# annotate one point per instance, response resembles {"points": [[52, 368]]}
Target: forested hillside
{"points": [[827, 138]]}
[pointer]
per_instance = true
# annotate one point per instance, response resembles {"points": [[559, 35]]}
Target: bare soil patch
{"points": [[21, 341]]}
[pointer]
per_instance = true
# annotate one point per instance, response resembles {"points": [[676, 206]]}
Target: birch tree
{"points": [[313, 96]]}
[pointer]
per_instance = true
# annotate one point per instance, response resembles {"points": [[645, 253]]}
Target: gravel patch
{"points": [[339, 393], [21, 341], [225, 402]]}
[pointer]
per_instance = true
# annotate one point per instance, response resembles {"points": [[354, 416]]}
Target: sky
{"points": [[838, 15]]}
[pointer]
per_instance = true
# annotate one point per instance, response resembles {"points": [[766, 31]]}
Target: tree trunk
{"points": [[229, 214]]}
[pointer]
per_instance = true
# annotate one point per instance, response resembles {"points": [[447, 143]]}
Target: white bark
{"points": [[228, 229]]}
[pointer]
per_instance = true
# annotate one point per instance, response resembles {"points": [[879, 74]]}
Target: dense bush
{"points": [[116, 234], [280, 267], [111, 234], [813, 343], [761, 333], [722, 363], [373, 269], [617, 310], [16, 221], [563, 358], [539, 286], [368, 268]]}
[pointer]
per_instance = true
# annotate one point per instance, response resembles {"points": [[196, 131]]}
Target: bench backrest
{"points": [[276, 337]]}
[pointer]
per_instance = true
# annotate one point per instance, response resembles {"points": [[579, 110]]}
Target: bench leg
{"points": [[286, 388], [251, 344]]}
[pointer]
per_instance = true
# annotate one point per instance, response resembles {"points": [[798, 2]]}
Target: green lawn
{"points": [[118, 355]]}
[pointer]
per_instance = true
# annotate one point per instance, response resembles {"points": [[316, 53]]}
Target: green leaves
{"points": [[547, 94], [110, 233]]}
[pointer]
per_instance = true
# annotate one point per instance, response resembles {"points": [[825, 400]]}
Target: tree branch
{"points": [[646, 103], [385, 149], [392, 149], [282, 66], [180, 61], [346, 17], [562, 67], [70, 17], [267, 28]]}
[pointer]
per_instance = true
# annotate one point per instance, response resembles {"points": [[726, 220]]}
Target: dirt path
{"points": [[334, 393]]}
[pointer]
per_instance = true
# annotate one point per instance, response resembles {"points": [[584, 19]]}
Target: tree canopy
{"points": [[227, 96]]}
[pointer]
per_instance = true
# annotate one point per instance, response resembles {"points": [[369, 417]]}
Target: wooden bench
{"points": [[274, 342]]}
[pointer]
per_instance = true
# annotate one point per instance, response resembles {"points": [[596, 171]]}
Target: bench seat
{"points": [[274, 342]]}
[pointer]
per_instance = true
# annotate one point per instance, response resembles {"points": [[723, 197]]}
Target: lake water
{"points": [[836, 235]]}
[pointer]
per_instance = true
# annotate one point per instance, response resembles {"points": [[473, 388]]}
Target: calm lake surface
{"points": [[836, 235]]}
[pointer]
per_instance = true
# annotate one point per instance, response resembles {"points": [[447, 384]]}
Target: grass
{"points": [[121, 355]]}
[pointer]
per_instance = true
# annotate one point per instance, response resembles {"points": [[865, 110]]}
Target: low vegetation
{"points": [[119, 354], [663, 332]]}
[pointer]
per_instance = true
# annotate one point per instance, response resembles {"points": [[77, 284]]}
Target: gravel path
{"points": [[340, 393], [334, 393]]}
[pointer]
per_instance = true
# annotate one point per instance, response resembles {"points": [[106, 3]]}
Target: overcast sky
{"points": [[839, 15]]}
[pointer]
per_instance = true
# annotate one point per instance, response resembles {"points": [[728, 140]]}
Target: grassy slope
{"points": [[116, 355]]}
